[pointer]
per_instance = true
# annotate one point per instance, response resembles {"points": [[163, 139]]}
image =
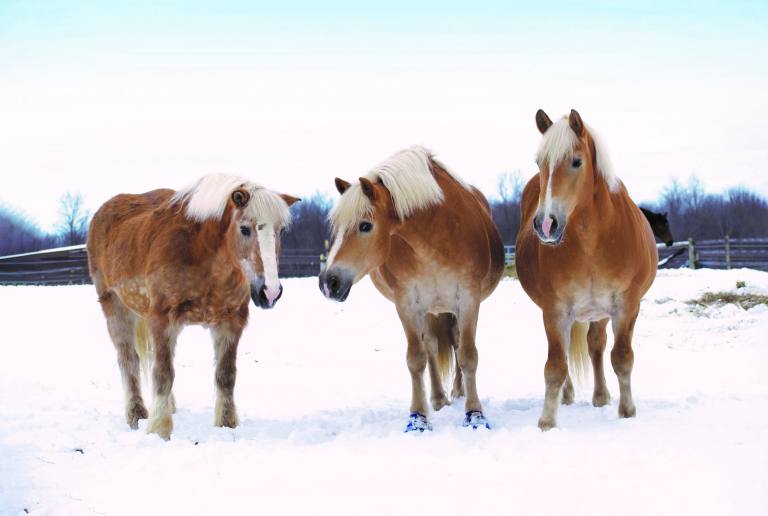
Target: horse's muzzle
{"points": [[335, 283], [550, 232], [260, 297]]}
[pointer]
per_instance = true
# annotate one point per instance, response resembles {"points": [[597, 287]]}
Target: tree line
{"points": [[19, 235], [692, 213]]}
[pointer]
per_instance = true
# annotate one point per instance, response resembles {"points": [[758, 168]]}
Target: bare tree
{"points": [[506, 207], [73, 219]]}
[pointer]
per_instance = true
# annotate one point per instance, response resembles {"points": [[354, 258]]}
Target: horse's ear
{"points": [[542, 121], [367, 187], [574, 120], [341, 185], [290, 200], [240, 197]]}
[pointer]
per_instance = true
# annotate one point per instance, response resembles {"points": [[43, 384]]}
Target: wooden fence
{"points": [[727, 253], [69, 266]]}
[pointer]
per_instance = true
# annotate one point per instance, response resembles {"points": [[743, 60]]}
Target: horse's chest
{"points": [[592, 303]]}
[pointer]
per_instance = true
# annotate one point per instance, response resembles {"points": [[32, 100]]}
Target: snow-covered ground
{"points": [[323, 394]]}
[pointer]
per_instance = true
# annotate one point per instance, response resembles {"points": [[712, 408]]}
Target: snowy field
{"points": [[323, 394]]}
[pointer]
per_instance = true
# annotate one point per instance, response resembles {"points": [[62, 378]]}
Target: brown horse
{"points": [[585, 254], [430, 246], [163, 260]]}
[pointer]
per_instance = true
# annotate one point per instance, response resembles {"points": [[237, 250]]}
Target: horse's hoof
{"points": [[628, 411], [475, 419], [601, 399], [546, 423], [135, 412], [418, 422], [439, 402], [162, 426]]}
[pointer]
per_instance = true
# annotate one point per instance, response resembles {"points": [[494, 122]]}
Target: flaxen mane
{"points": [[407, 176], [207, 199]]}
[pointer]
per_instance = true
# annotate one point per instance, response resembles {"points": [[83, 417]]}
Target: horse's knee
{"points": [[555, 371], [417, 359], [622, 359], [467, 356]]}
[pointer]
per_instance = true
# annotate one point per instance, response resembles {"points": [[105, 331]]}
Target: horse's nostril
{"points": [[554, 224], [333, 283]]}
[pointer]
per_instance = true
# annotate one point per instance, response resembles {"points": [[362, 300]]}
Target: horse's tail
{"points": [[143, 345], [443, 327], [578, 351]]}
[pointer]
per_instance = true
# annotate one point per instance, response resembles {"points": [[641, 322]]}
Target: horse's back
{"points": [[116, 228], [477, 218]]}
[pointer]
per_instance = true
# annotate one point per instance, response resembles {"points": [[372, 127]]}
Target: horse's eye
{"points": [[365, 227], [576, 163], [245, 230], [282, 231]]}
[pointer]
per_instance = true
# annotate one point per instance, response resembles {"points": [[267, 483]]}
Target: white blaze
{"points": [[548, 194], [336, 246], [267, 249]]}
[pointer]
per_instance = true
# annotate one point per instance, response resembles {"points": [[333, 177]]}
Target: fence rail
{"points": [[727, 253], [69, 266]]}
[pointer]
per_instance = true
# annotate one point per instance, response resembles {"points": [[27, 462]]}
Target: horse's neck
{"points": [[595, 213], [425, 232], [211, 244]]}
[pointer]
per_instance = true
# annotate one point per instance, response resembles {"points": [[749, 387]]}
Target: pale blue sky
{"points": [[109, 97]]}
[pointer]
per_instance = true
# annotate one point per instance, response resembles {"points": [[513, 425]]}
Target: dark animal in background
{"points": [[660, 226]]}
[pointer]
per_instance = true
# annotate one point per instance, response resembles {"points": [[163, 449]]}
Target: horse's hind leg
{"points": [[164, 339], [568, 391], [226, 337], [438, 341], [596, 339], [121, 325], [622, 358], [458, 379]]}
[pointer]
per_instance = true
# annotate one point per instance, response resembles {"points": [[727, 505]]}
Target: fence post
{"points": [[324, 256], [691, 253], [727, 251]]}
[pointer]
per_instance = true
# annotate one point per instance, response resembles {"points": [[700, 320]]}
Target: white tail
{"points": [[578, 352]]}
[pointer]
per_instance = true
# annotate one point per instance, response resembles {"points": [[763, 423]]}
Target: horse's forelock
{"points": [[208, 197], [560, 140]]}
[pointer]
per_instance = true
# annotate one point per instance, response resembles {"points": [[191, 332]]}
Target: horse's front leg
{"points": [[164, 337], [558, 330], [623, 358], [226, 337], [416, 358]]}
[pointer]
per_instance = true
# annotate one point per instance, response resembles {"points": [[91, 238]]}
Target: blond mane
{"points": [[207, 199], [409, 179], [558, 142]]}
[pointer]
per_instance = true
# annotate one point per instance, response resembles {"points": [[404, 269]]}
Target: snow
{"points": [[323, 394]]}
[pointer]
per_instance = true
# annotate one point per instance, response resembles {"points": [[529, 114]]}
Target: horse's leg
{"points": [[556, 368], [226, 337], [121, 325], [467, 355], [458, 380], [432, 337], [596, 339], [416, 358], [622, 358], [568, 391], [164, 339]]}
